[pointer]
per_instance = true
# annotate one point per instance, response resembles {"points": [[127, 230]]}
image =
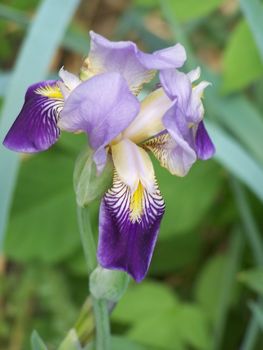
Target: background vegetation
{"points": [[205, 286]]}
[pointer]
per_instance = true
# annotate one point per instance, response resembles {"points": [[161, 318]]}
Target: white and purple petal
{"points": [[103, 107], [174, 148], [35, 128], [128, 228]]}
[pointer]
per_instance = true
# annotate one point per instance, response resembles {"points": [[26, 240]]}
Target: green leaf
{"points": [[253, 11], [208, 286], [71, 342], [257, 309], [253, 279], [176, 328], [234, 158], [32, 65], [121, 343], [241, 117], [75, 38], [191, 9], [241, 62], [174, 253], [143, 300], [44, 210], [36, 342], [189, 198]]}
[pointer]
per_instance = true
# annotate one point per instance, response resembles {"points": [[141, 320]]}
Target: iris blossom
{"points": [[103, 103]]}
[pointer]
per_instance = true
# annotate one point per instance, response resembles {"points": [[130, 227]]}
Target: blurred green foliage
{"points": [[204, 287]]}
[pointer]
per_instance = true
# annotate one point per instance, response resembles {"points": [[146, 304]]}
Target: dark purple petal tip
{"points": [[123, 244], [205, 148], [35, 128]]}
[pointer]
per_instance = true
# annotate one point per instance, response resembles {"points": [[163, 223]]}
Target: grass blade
{"points": [[253, 11], [32, 65], [75, 39], [234, 158], [233, 264]]}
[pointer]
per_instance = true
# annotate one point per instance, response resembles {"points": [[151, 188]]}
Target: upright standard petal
{"points": [[125, 58], [35, 128], [178, 86], [174, 148], [103, 107], [128, 228]]}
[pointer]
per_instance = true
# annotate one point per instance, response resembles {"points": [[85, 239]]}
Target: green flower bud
{"points": [[108, 284], [88, 184]]}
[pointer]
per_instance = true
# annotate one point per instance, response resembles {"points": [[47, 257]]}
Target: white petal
{"points": [[194, 74], [148, 123], [70, 82], [133, 164]]}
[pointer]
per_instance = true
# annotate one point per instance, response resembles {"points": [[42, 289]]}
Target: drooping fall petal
{"points": [[35, 128]]}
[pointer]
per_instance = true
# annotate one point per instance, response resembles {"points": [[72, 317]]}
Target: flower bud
{"points": [[88, 184], [108, 284]]}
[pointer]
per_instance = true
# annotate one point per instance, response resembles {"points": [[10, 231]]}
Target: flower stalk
{"points": [[99, 305]]}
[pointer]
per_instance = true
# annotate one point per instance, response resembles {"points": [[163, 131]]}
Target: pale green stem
{"points": [[100, 308]]}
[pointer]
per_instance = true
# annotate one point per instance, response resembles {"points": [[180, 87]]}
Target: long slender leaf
{"points": [[253, 11], [254, 239], [257, 310], [237, 160], [233, 264], [74, 38], [36, 342], [250, 227], [4, 79], [241, 118], [32, 65]]}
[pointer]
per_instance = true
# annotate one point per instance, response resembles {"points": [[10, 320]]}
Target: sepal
{"points": [[88, 184]]}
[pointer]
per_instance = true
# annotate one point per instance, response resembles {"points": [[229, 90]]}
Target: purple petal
{"points": [[168, 58], [205, 148], [125, 58], [178, 86], [124, 243], [103, 107], [35, 128], [180, 153]]}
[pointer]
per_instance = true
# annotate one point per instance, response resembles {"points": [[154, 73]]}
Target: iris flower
{"points": [[103, 103]]}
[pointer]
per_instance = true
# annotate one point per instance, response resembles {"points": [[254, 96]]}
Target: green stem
{"points": [[87, 239], [100, 308]]}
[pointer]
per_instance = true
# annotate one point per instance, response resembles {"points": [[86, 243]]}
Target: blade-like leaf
{"points": [[241, 164], [36, 342], [239, 116], [253, 11], [32, 65], [238, 73]]}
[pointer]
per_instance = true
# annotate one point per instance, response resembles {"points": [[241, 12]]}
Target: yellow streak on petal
{"points": [[50, 92], [136, 204]]}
